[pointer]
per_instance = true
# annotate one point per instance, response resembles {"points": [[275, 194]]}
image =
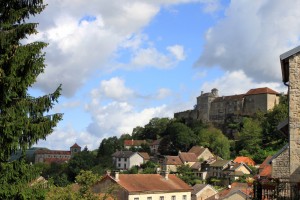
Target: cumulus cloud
{"points": [[237, 82], [252, 36], [177, 51]]}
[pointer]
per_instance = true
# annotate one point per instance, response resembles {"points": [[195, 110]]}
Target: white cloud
{"points": [[237, 82], [177, 51], [252, 36], [163, 93]]}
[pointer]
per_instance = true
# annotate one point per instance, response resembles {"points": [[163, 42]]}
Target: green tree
{"points": [[250, 139], [187, 175], [215, 140], [23, 119], [84, 160]]}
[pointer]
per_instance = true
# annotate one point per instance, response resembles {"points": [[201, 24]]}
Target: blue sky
{"points": [[123, 62]]}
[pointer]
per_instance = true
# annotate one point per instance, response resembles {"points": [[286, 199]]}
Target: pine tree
{"points": [[24, 119]]}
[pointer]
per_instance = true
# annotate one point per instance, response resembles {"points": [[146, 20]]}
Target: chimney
{"points": [[116, 177], [165, 174], [108, 172]]}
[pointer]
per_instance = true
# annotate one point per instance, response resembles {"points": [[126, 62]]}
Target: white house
{"points": [[127, 159]]}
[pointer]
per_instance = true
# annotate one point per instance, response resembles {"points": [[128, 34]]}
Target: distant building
{"points": [[134, 144], [126, 159], [55, 156], [211, 107], [144, 187]]}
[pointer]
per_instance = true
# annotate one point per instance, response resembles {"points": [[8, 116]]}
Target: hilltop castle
{"points": [[212, 108]]}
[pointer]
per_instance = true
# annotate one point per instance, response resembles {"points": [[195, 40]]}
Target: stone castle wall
{"points": [[281, 165], [212, 108]]}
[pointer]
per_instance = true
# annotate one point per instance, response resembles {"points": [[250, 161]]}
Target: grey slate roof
{"points": [[122, 154]]}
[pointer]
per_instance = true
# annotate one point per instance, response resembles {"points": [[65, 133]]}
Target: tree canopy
{"points": [[24, 119]]}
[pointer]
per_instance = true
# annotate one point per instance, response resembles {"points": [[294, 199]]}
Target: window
{"points": [[184, 197], [124, 166], [119, 159], [161, 198], [173, 198], [136, 198], [119, 165], [125, 159], [149, 198]]}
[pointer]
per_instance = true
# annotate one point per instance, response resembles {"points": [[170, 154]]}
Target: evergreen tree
{"points": [[23, 119]]}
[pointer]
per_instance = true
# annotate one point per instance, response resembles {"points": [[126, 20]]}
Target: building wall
{"points": [[39, 158], [135, 159], [272, 101], [243, 169], [280, 165], [204, 194], [294, 116], [205, 155], [157, 195]]}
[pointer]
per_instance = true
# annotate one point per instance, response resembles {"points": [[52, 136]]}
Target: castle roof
{"points": [[264, 90], [237, 97]]}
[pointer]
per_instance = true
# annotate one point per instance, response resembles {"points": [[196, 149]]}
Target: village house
{"points": [[170, 163], [144, 187], [154, 146], [127, 159], [203, 191], [236, 191], [55, 156]]}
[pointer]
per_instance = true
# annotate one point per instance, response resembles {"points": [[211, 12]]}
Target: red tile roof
{"points": [[152, 182], [266, 171], [245, 160], [134, 142], [264, 90], [55, 160], [145, 155], [266, 162], [173, 160], [53, 152], [188, 157]]}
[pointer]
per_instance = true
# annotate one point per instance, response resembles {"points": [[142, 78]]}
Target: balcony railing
{"points": [[276, 189]]}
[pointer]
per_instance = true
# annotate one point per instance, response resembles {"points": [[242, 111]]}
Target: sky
{"points": [[124, 62]]}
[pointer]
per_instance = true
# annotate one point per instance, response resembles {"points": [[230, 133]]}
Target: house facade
{"points": [[126, 159], [144, 187], [203, 191]]}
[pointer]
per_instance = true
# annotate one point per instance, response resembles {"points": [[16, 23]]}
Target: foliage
{"points": [[109, 146], [151, 131], [23, 119], [187, 175], [84, 160], [86, 179], [15, 181], [215, 140], [250, 136]]}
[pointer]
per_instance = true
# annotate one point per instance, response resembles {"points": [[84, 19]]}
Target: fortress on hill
{"points": [[213, 108]]}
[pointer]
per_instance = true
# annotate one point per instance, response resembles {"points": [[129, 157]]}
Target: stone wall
{"points": [[281, 164], [294, 116]]}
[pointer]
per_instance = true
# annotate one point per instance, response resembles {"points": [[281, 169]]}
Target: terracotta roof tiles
{"points": [[173, 160], [134, 142], [188, 157], [264, 90], [245, 160], [152, 182]]}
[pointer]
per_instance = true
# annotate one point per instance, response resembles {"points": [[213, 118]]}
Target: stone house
{"points": [[212, 108], [144, 187], [55, 156], [154, 146], [126, 159], [203, 191], [170, 163]]}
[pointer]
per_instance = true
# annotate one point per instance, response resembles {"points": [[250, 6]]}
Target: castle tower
{"points": [[290, 64], [75, 148]]}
